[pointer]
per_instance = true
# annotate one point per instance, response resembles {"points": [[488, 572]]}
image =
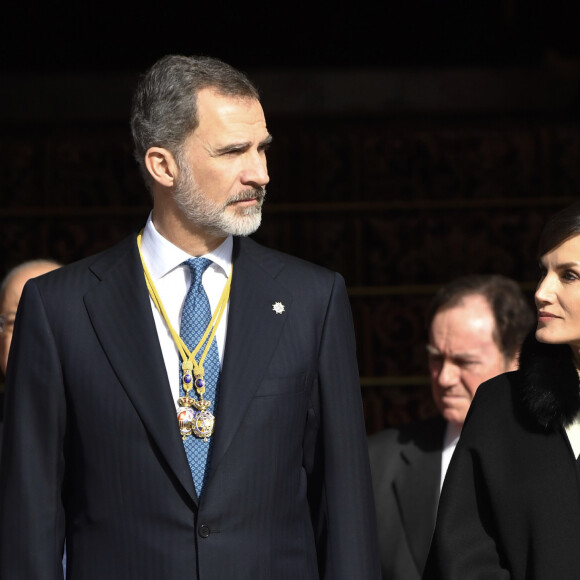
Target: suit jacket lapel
{"points": [[417, 489], [252, 336], [120, 311]]}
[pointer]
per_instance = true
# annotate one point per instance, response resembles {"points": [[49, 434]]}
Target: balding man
{"points": [[10, 292]]}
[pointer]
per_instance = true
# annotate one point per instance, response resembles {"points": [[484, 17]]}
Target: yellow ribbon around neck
{"points": [[209, 331]]}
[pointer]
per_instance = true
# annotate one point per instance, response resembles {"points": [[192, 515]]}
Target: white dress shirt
{"points": [[172, 279], [573, 432], [450, 439]]}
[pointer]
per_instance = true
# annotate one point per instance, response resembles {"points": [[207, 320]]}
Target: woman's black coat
{"points": [[510, 504]]}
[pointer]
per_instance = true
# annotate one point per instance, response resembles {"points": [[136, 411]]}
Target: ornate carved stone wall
{"points": [[400, 208], [397, 203]]}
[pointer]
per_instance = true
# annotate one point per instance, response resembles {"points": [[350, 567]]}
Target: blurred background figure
{"points": [[10, 292], [476, 325]]}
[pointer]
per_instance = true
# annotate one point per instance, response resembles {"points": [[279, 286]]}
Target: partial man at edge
{"points": [[10, 292]]}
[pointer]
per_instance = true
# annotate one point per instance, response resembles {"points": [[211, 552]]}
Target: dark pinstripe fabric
{"points": [[91, 441], [406, 473]]}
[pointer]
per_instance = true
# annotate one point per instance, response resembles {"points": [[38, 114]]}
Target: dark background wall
{"points": [[414, 142]]}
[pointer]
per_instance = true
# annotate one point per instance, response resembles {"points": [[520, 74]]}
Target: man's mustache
{"points": [[258, 193]]}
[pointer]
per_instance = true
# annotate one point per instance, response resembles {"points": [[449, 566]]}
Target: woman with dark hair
{"points": [[510, 504]]}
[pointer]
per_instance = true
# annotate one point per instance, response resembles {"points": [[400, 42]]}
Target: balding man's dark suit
{"points": [[406, 472], [92, 444]]}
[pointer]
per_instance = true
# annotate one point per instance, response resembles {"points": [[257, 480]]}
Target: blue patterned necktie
{"points": [[195, 318]]}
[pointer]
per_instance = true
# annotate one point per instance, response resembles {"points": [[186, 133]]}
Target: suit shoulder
{"points": [[383, 439], [492, 407], [89, 268], [426, 435], [497, 391]]}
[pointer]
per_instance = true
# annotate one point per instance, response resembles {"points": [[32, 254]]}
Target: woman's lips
{"points": [[542, 315]]}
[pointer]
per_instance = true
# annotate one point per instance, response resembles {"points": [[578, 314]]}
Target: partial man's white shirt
{"points": [[450, 439]]}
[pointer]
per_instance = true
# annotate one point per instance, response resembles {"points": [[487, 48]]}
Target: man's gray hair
{"points": [[164, 108]]}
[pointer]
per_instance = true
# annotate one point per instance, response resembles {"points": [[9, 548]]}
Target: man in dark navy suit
{"points": [[100, 373]]}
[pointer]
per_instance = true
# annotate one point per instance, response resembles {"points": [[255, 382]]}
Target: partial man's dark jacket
{"points": [[510, 504], [92, 447], [406, 473]]}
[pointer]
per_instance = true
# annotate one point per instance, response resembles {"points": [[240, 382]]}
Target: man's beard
{"points": [[214, 217]]}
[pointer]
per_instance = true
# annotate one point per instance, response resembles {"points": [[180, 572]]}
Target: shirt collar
{"points": [[163, 257], [452, 433]]}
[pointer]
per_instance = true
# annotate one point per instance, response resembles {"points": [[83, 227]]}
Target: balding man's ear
{"points": [[161, 166]]}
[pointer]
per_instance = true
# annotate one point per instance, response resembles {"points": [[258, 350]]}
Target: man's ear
{"points": [[161, 166]]}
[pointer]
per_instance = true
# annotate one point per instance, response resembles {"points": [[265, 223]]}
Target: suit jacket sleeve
{"points": [[465, 542], [32, 468], [342, 501]]}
